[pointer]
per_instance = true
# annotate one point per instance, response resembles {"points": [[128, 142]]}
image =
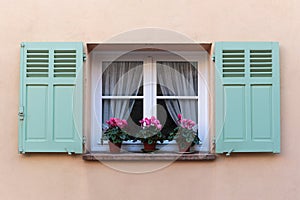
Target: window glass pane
{"points": [[135, 116], [189, 109], [177, 78], [168, 110], [122, 78], [128, 109], [164, 117]]}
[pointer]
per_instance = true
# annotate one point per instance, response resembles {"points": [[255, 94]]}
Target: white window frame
{"points": [[149, 59]]}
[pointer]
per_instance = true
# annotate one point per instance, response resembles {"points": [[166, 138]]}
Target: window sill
{"points": [[161, 156]]}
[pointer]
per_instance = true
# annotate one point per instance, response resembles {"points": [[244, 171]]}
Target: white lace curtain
{"points": [[120, 79], [179, 79]]}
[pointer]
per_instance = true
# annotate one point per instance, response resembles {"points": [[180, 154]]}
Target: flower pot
{"points": [[114, 147], [184, 149], [149, 147]]}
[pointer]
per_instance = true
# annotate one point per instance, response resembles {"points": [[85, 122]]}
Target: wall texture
{"points": [[241, 176]]}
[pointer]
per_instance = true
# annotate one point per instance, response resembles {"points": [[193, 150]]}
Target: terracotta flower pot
{"points": [[149, 147], [184, 150], [114, 147]]}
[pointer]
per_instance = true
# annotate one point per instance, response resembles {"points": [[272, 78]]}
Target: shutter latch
{"points": [[229, 152], [68, 151], [84, 57], [21, 113]]}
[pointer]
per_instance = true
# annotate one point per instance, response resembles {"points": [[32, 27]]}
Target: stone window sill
{"points": [[161, 156]]}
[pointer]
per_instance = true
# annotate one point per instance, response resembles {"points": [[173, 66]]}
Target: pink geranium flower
{"points": [[185, 123], [179, 117], [116, 122], [152, 121]]}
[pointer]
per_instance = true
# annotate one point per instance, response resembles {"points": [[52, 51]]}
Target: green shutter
{"points": [[247, 92], [50, 111]]}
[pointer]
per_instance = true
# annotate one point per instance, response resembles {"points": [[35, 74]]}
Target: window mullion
{"points": [[154, 88], [148, 82]]}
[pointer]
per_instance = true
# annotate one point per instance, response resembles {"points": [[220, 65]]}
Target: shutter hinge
{"points": [[213, 58], [22, 45], [84, 139], [21, 150], [84, 57], [214, 143], [21, 113]]}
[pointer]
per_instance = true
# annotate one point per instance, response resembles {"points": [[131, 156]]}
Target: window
{"points": [[237, 100], [139, 84]]}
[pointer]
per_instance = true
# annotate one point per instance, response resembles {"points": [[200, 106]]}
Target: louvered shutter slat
{"points": [[37, 62], [64, 63]]}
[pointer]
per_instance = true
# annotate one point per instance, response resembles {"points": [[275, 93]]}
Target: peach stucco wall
{"points": [[239, 177]]}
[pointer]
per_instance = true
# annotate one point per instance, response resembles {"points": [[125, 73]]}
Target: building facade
{"points": [[62, 176]]}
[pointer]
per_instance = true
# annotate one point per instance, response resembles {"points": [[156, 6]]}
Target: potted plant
{"points": [[184, 134], [116, 134], [150, 133]]}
